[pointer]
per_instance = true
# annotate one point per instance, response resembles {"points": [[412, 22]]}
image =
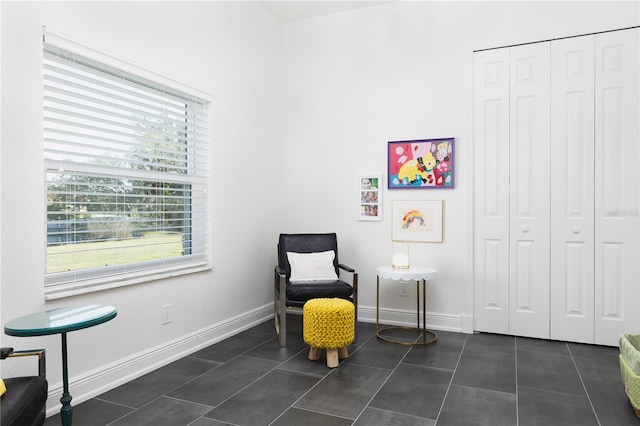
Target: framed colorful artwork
{"points": [[417, 221], [370, 197], [420, 164]]}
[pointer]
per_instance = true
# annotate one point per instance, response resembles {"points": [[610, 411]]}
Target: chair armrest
{"points": [[346, 268], [354, 280], [354, 285], [280, 283], [40, 353], [5, 352]]}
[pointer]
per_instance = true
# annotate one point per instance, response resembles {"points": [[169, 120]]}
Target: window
{"points": [[127, 171]]}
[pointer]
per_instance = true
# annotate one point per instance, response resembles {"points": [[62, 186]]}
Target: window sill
{"points": [[60, 291]]}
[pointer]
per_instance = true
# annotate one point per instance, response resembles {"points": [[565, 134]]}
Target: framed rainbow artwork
{"points": [[417, 221]]}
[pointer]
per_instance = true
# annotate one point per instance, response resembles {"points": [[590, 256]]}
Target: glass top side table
{"points": [[417, 274], [61, 321]]}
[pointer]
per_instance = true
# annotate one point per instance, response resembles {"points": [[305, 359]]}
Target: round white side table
{"points": [[417, 274]]}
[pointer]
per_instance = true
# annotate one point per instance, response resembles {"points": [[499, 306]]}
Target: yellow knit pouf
{"points": [[328, 323]]}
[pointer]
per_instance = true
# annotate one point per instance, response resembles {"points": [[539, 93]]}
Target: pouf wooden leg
{"points": [[332, 358], [343, 353], [314, 353]]}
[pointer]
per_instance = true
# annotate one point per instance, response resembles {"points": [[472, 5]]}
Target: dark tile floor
{"points": [[480, 379]]}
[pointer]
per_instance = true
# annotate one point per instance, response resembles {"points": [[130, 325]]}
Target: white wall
{"points": [[299, 111], [231, 50], [398, 71]]}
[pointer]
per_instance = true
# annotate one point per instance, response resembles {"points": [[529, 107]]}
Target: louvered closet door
{"points": [[617, 160], [529, 181], [491, 191], [572, 186]]}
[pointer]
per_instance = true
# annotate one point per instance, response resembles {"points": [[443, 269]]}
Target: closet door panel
{"points": [[529, 180], [617, 186], [491, 191], [572, 186]]}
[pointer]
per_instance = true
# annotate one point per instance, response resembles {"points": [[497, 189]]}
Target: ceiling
{"points": [[295, 10]]}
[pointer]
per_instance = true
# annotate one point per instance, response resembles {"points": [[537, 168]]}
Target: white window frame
{"points": [[196, 176]]}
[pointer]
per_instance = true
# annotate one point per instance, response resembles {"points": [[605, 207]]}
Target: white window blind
{"points": [[127, 171]]}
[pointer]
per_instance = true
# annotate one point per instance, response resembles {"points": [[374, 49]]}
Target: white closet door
{"points": [[491, 190], [572, 186], [530, 183], [617, 160]]}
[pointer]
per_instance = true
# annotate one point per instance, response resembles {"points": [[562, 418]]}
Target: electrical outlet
{"points": [[404, 288], [165, 318]]}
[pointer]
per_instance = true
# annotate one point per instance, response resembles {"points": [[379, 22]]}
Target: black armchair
{"points": [[312, 271], [24, 403]]}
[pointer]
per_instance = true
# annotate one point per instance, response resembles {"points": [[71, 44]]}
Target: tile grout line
{"points": [[451, 381], [318, 383], [515, 343], [135, 409], [584, 387], [243, 354], [383, 383]]}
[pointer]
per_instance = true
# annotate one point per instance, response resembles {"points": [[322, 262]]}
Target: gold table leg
{"points": [[423, 330]]}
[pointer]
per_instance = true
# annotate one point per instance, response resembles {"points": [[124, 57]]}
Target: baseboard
{"points": [[467, 323], [435, 320], [105, 378]]}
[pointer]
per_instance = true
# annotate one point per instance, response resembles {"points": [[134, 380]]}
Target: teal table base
{"points": [[66, 412], [61, 321]]}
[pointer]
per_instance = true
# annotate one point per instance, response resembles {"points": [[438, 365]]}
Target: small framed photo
{"points": [[370, 197], [417, 221], [421, 164]]}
